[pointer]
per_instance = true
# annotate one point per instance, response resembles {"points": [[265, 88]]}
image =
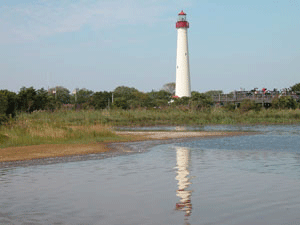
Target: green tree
{"points": [[81, 97], [11, 102], [42, 99], [124, 91], [29, 99], [247, 105], [214, 92], [183, 101], [158, 98], [26, 99], [125, 97], [99, 100], [201, 100], [284, 102], [296, 87], [138, 100], [3, 107], [61, 94], [197, 101], [121, 102], [52, 104]]}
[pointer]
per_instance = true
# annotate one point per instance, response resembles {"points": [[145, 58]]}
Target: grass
{"points": [[91, 126], [52, 128]]}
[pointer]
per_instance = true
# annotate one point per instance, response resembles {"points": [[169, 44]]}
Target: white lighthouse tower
{"points": [[183, 82]]}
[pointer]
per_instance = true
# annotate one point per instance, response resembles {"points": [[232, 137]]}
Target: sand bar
{"points": [[162, 135], [24, 153]]}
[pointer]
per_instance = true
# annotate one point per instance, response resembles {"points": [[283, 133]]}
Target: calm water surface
{"points": [[233, 180]]}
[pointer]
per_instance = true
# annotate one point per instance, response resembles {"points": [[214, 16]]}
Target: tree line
{"points": [[30, 99]]}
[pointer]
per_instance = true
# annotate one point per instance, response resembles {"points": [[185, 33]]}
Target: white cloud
{"points": [[26, 22]]}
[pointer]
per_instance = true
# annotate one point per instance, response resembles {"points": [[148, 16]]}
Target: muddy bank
{"points": [[49, 154]]}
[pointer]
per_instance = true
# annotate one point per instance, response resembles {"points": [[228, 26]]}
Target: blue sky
{"points": [[100, 45]]}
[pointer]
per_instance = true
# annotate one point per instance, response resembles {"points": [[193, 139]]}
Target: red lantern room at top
{"points": [[181, 22]]}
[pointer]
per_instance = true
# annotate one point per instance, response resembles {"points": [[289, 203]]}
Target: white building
{"points": [[183, 82]]}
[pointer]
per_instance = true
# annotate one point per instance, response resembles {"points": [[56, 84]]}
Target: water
{"points": [[232, 180]]}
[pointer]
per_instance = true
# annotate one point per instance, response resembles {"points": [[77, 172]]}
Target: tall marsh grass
{"points": [[88, 126], [53, 128]]}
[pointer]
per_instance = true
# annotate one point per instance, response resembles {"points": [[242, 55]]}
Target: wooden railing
{"points": [[259, 97]]}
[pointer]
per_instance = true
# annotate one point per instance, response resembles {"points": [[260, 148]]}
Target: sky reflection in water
{"points": [[234, 180]]}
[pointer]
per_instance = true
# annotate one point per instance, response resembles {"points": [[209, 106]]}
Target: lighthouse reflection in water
{"points": [[183, 163]]}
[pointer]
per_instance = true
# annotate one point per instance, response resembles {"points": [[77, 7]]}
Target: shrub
{"points": [[284, 102], [247, 105], [230, 106]]}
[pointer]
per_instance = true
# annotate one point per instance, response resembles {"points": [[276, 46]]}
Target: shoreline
{"points": [[141, 141]]}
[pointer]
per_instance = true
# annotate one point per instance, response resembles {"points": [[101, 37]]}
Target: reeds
{"points": [[88, 126], [52, 128]]}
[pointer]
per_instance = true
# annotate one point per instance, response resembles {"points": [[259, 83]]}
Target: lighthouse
{"points": [[183, 82]]}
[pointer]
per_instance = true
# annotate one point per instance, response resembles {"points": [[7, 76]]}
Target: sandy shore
{"points": [[162, 135], [25, 153]]}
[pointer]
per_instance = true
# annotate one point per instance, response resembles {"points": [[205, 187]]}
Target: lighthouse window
{"points": [[181, 18], [185, 54]]}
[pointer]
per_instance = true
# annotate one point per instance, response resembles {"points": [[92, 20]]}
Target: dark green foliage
{"points": [[61, 94], [296, 87], [82, 96], [121, 102], [100, 100], [214, 92], [158, 99], [51, 104], [126, 97], [3, 107], [29, 100], [42, 99], [230, 106], [284, 102], [26, 99], [138, 100], [198, 101], [131, 98], [3, 103], [183, 101], [11, 98], [201, 101], [247, 105], [123, 91]]}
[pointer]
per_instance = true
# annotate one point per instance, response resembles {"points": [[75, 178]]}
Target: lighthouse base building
{"points": [[183, 82]]}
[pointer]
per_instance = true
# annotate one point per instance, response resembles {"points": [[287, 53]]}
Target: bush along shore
{"points": [[94, 126], [54, 123]]}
